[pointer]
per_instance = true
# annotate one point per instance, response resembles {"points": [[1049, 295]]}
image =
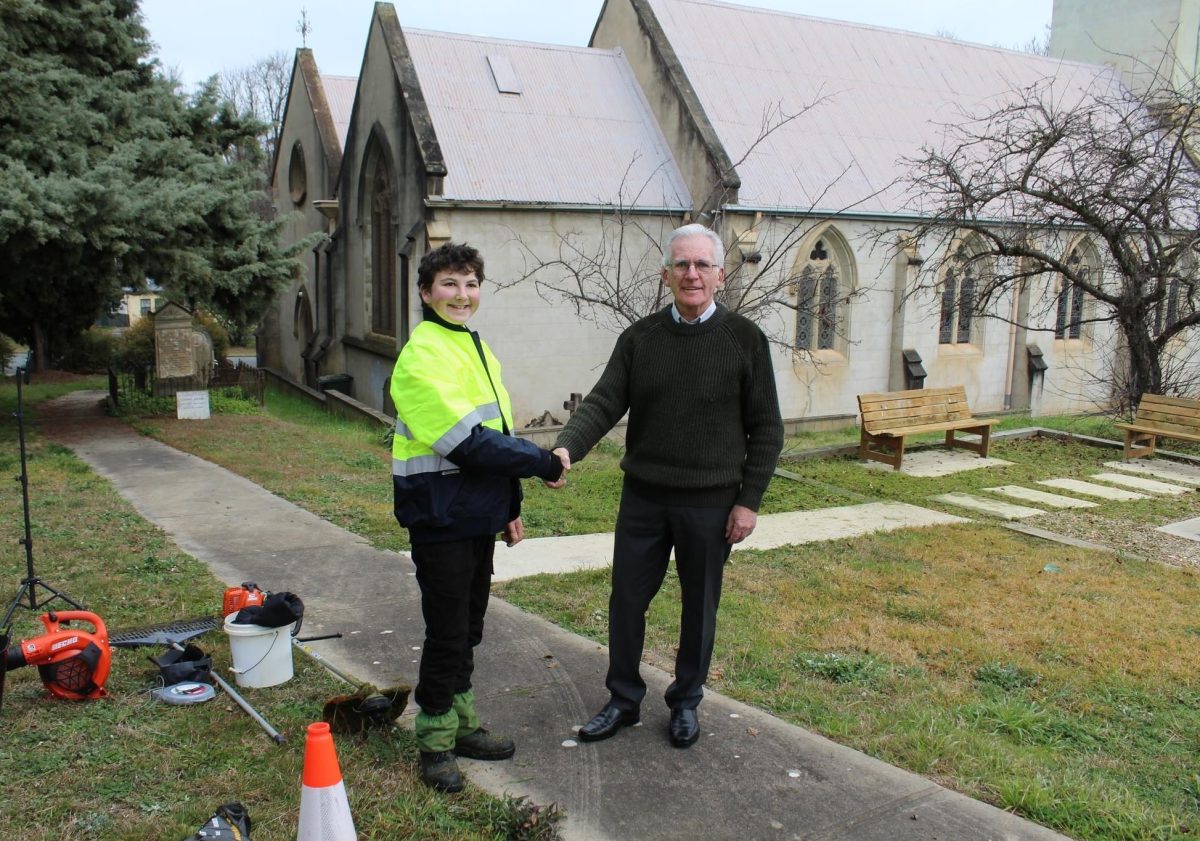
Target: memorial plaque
{"points": [[191, 405], [173, 352]]}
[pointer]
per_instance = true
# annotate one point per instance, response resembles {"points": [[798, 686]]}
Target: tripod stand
{"points": [[31, 582]]}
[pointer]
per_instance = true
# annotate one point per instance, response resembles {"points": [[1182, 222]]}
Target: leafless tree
{"points": [[1058, 165], [260, 89], [614, 278]]}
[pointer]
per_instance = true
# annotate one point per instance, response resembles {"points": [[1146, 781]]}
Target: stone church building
{"points": [[566, 166]]}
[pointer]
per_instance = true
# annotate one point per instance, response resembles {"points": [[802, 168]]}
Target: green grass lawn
{"points": [[1056, 682]]}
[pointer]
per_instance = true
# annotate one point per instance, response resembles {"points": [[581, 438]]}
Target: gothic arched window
{"points": [[1068, 320], [959, 288], [383, 250], [823, 290]]}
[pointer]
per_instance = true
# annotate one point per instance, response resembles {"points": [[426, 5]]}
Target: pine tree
{"points": [[108, 176]]}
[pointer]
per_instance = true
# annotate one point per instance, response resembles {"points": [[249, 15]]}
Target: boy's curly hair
{"points": [[455, 256]]}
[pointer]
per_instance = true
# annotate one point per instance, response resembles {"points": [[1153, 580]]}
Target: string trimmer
{"points": [[366, 708]]}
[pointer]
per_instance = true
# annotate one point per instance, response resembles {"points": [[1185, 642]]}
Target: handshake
{"points": [[565, 458]]}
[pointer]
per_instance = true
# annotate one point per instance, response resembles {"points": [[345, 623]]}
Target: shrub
{"points": [[91, 351], [136, 352], [7, 349], [220, 336]]}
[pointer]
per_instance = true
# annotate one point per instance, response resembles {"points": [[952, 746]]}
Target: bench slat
{"points": [[1189, 403], [900, 417], [918, 429], [1178, 417], [1165, 430]]}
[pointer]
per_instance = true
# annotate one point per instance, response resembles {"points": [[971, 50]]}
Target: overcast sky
{"points": [[198, 38]]}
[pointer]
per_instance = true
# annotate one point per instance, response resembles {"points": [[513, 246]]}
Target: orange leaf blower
{"points": [[73, 664]]}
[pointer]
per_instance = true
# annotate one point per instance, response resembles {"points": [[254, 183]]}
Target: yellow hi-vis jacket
{"points": [[454, 465]]}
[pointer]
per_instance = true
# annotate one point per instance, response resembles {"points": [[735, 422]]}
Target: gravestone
{"points": [[182, 353]]}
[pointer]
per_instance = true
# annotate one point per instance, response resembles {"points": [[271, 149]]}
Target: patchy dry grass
{"points": [[1056, 682], [130, 767], [1070, 697]]}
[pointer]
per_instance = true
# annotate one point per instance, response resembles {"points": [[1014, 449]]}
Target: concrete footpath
{"points": [[750, 776]]}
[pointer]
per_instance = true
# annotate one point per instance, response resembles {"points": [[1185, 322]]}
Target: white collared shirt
{"points": [[704, 316]]}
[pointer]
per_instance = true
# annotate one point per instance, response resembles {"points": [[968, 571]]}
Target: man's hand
{"points": [[740, 523], [565, 458], [514, 532]]}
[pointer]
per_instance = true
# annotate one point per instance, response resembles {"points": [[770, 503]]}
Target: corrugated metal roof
{"points": [[339, 92], [888, 93], [580, 132]]}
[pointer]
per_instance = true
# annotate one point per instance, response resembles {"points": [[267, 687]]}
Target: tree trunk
{"points": [[39, 360], [1145, 368]]}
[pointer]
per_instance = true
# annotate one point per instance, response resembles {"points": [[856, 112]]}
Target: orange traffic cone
{"points": [[324, 809]]}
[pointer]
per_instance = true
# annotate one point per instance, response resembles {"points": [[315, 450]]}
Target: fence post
{"points": [[113, 391]]}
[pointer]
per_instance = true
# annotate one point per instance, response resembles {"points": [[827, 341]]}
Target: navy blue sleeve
{"points": [[488, 451]]}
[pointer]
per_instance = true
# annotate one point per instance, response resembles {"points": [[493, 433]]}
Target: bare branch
{"points": [[1054, 168]]}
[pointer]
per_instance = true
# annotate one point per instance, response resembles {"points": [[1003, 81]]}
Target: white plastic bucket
{"points": [[261, 656]]}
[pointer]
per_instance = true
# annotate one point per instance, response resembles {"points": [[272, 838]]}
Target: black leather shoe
{"points": [[685, 728], [607, 722]]}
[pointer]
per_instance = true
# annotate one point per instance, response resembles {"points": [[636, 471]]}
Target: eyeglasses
{"points": [[702, 266]]}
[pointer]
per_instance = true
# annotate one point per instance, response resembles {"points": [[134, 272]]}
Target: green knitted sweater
{"points": [[704, 425]]}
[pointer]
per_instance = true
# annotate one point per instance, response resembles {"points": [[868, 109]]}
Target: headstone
{"points": [[173, 354], [183, 354]]}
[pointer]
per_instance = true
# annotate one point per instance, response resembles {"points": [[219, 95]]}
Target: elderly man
{"points": [[703, 436]]}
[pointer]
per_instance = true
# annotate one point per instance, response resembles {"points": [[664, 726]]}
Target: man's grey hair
{"points": [[693, 230]]}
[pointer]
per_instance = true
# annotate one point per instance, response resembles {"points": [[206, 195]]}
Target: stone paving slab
{"points": [[594, 551], [1169, 471], [1055, 537], [1041, 497], [995, 507], [1140, 483], [1091, 489], [1189, 529], [938, 462]]}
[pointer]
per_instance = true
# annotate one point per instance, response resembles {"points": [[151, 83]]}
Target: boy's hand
{"points": [[514, 532], [565, 458]]}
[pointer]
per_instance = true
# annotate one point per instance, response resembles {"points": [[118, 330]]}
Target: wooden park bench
{"points": [[889, 417], [1160, 417]]}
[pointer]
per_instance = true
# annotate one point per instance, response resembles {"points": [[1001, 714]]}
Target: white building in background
{"points": [[530, 152]]}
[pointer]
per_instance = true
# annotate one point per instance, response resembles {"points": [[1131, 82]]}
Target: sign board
{"points": [[191, 405]]}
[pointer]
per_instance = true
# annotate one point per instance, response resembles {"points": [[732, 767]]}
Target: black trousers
{"points": [[645, 534], [455, 580]]}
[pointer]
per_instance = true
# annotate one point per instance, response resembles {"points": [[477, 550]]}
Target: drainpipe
{"points": [[1010, 372]]}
